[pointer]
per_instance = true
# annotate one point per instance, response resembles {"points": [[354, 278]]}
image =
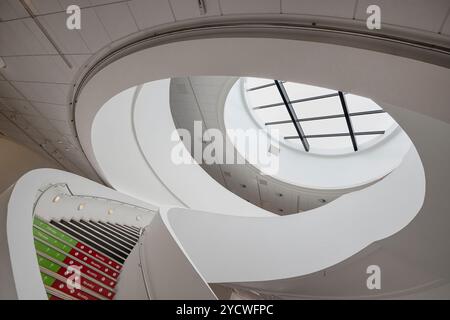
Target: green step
{"points": [[43, 248], [47, 280], [47, 264], [54, 232], [50, 240]]}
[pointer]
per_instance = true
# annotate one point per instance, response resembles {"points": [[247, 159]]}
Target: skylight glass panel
{"points": [[331, 143], [285, 130], [321, 107], [251, 83], [272, 114], [301, 91], [372, 122], [328, 126], [325, 121], [264, 96], [357, 103]]}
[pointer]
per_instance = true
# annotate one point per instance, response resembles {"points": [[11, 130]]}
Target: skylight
{"points": [[316, 119]]}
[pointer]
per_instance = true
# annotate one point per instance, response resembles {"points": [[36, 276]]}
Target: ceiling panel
{"points": [[53, 111], [117, 20], [282, 199], [102, 2], [8, 91], [47, 47], [331, 8], [43, 92], [250, 6], [246, 189], [22, 37], [215, 173], [44, 6], [11, 9], [188, 9], [20, 106], [80, 3], [64, 127], [446, 26], [92, 30], [5, 106], [38, 69], [149, 13], [419, 14], [69, 41], [39, 122]]}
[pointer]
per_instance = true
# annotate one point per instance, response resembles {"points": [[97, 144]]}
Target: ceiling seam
{"points": [[355, 8], [445, 20], [46, 33], [171, 10], [206, 126], [64, 11]]}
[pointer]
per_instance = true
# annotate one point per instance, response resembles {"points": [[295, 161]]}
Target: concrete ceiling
{"points": [[36, 85]]}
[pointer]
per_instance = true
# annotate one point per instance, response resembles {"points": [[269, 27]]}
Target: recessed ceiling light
{"points": [[243, 185], [281, 210], [80, 206], [280, 194], [138, 218], [56, 199], [322, 200], [110, 211]]}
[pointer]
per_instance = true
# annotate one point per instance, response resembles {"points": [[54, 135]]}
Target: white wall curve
{"points": [[329, 64], [300, 244], [332, 66]]}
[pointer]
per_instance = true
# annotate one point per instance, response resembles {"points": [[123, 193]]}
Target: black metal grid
{"points": [[296, 120]]}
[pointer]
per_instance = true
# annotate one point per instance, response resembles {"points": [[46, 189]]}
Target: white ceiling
{"points": [[35, 86]]}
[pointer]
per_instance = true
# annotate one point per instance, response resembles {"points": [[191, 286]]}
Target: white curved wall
{"points": [[195, 187], [133, 147], [394, 82], [113, 139], [282, 247]]}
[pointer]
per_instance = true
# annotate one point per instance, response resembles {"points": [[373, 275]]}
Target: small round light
{"points": [[56, 199], [322, 200], [110, 211], [80, 206]]}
